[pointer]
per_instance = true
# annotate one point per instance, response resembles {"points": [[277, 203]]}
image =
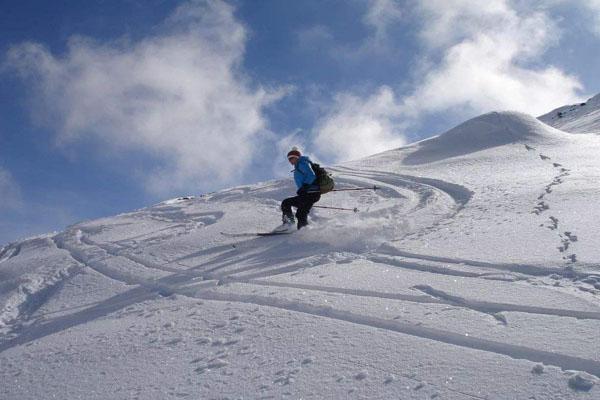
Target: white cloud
{"points": [[356, 128], [587, 15], [488, 59], [10, 192], [179, 96], [446, 22], [594, 7], [380, 15]]}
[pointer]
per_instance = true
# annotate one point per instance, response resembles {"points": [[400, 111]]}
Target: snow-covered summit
{"points": [[576, 118], [483, 132]]}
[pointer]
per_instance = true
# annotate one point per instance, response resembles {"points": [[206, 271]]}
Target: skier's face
{"points": [[293, 160]]}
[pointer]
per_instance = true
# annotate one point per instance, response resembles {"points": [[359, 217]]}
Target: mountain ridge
{"points": [[577, 118], [485, 131]]}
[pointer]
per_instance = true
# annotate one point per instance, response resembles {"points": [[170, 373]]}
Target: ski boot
{"points": [[288, 224]]}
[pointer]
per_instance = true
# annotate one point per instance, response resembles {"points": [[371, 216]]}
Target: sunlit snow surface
{"points": [[576, 118], [472, 273]]}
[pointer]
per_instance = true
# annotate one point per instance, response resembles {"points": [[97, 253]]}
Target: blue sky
{"points": [[107, 106]]}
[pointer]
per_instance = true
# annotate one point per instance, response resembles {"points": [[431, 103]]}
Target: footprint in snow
{"points": [[538, 369], [215, 364], [500, 318], [540, 208], [308, 360], [572, 238], [543, 157], [564, 247], [362, 375], [582, 381]]}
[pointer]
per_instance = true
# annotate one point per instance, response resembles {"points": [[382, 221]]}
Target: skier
{"points": [[308, 192]]}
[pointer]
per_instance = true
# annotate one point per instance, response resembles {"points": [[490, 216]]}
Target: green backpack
{"points": [[324, 179]]}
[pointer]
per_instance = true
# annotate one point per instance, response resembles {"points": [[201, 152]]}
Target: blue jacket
{"points": [[305, 177]]}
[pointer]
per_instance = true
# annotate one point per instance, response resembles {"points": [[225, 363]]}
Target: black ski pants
{"points": [[303, 202]]}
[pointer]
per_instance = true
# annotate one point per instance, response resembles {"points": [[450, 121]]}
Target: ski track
{"points": [[118, 252], [149, 237], [419, 196], [410, 263], [337, 290], [562, 361], [178, 284], [27, 300], [208, 283], [493, 308], [392, 256], [10, 251], [433, 296], [50, 327], [93, 260], [425, 188]]}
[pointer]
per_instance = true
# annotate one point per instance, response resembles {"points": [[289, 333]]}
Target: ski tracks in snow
{"points": [[208, 282], [422, 192], [210, 279], [10, 251], [23, 295], [429, 296], [563, 361], [209, 291]]}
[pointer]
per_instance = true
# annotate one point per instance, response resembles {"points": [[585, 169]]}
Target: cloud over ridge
{"points": [[356, 127], [474, 58], [491, 58], [178, 96]]}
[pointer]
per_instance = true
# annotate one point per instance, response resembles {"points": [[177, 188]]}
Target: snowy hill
{"points": [[473, 272], [576, 118]]}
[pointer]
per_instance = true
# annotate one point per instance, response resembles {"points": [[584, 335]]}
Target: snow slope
{"points": [[576, 118], [472, 273]]}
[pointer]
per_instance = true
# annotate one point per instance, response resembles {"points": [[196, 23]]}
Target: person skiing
{"points": [[308, 192]]}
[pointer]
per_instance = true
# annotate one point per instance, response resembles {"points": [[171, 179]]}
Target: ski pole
{"points": [[375, 187], [338, 208]]}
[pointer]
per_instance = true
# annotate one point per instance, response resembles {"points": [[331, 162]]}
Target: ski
{"points": [[374, 187], [245, 234], [338, 208]]}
